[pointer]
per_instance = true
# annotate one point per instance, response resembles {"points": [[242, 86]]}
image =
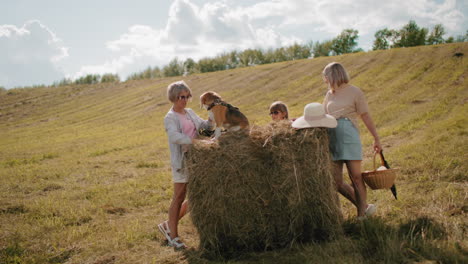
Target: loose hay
{"points": [[263, 191]]}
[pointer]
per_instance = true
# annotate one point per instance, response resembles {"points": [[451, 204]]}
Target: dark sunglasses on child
{"points": [[274, 112]]}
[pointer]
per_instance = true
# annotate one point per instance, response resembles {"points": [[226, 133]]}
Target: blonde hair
{"points": [[175, 88], [335, 74], [280, 106]]}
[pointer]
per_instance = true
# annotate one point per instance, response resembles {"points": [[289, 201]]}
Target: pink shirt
{"points": [[188, 127], [347, 101]]}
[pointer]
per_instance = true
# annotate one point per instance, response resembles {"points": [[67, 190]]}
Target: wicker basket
{"points": [[379, 179]]}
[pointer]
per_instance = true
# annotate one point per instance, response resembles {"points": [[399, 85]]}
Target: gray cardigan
{"points": [[177, 138]]}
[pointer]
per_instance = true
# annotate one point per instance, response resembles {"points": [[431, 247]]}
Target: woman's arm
{"points": [[204, 124], [175, 137], [366, 118]]}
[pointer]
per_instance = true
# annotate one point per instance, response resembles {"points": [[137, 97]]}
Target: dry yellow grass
{"points": [[85, 177]]}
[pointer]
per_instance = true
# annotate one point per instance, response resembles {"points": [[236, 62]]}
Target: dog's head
{"points": [[207, 98]]}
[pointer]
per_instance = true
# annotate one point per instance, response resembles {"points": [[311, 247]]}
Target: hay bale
{"points": [[263, 191]]}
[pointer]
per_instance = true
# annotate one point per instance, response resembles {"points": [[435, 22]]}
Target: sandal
{"points": [[177, 244], [164, 229]]}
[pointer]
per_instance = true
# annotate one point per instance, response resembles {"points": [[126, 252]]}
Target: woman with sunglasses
{"points": [[347, 103], [181, 125], [279, 111]]}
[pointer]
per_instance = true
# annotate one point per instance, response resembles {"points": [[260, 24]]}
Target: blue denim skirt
{"points": [[345, 143]]}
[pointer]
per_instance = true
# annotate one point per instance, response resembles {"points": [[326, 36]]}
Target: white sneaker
{"points": [[370, 210], [177, 244]]}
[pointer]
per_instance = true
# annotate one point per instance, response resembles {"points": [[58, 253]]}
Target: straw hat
{"points": [[314, 116]]}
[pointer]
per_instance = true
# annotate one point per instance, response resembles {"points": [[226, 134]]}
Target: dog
{"points": [[223, 114]]}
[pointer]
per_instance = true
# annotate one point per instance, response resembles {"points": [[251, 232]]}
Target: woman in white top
{"points": [[181, 126], [347, 103]]}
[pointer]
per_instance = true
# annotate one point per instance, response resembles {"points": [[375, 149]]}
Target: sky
{"points": [[49, 40]]}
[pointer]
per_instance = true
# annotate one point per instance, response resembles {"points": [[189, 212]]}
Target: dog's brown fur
{"points": [[224, 114]]}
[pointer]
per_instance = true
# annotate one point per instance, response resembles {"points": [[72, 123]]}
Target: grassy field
{"points": [[85, 176]]}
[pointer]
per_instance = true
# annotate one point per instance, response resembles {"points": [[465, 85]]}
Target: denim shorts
{"points": [[345, 143]]}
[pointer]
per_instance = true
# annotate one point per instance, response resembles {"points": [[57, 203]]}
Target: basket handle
{"points": [[382, 162]]}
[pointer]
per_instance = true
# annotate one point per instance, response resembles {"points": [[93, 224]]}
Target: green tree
{"points": [[383, 39], [279, 55], [250, 57], [205, 65], [345, 42], [174, 68], [63, 82], [148, 73], [233, 60], [211, 64], [133, 76], [269, 56], [297, 52], [88, 79], [226, 60], [411, 35], [190, 66], [322, 49], [156, 72], [220, 62], [461, 38], [110, 78], [436, 35]]}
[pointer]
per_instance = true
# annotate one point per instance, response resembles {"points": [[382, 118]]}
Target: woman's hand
{"points": [[377, 146], [185, 148]]}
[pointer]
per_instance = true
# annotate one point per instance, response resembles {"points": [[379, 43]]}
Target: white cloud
{"points": [[33, 54], [30, 55], [184, 23], [191, 31], [206, 30], [364, 15], [113, 66]]}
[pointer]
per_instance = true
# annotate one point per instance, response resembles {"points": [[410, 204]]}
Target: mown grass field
{"points": [[85, 177]]}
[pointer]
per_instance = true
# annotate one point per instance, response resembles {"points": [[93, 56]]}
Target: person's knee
{"points": [[179, 196], [356, 177]]}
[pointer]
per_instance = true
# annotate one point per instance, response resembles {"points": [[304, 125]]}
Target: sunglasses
{"points": [[274, 112], [184, 97]]}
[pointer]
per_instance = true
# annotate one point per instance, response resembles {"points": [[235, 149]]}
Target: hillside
{"points": [[85, 174]]}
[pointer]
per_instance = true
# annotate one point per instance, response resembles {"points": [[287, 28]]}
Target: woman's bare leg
{"points": [[354, 171], [345, 189], [178, 198]]}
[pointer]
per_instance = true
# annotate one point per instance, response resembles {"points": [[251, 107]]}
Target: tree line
{"points": [[411, 35], [346, 42], [90, 79]]}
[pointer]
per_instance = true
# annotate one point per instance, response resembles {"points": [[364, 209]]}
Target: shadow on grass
{"points": [[420, 239], [16, 253]]}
